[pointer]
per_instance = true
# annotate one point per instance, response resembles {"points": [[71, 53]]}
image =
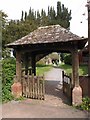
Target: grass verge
{"points": [[83, 69], [40, 70]]}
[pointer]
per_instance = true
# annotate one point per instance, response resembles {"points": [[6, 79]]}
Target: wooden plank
{"points": [[35, 90], [38, 87], [24, 87], [43, 88], [27, 85], [41, 91], [33, 86], [30, 86]]}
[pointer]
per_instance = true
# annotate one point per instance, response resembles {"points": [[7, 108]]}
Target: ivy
{"points": [[8, 72]]}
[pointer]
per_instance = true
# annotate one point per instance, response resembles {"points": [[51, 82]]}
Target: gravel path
{"points": [[55, 104]]}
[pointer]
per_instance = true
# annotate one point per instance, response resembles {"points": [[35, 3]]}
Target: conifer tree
{"points": [[22, 16], [38, 18], [25, 16], [58, 10]]}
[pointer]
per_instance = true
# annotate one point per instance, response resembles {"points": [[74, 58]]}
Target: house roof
{"points": [[47, 34]]}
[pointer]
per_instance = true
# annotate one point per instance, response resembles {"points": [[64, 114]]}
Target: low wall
{"points": [[84, 82]]}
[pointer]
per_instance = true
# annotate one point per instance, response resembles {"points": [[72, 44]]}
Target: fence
{"points": [[67, 86], [84, 83], [33, 87]]}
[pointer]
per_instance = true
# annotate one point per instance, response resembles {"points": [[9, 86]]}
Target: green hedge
{"points": [[8, 72]]}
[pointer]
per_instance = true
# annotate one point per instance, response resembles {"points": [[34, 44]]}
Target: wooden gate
{"points": [[33, 87], [67, 86]]}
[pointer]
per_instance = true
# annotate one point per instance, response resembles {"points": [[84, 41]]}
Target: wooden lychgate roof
{"points": [[48, 34]]}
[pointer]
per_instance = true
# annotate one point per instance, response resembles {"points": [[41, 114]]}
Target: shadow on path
{"points": [[54, 90]]}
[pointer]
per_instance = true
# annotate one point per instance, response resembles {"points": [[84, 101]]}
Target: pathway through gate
{"points": [[54, 105], [53, 88]]}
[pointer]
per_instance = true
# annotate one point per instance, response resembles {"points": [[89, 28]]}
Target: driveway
{"points": [[55, 104]]}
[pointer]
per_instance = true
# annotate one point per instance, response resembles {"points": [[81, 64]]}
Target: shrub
{"points": [[8, 72], [85, 104], [68, 59]]}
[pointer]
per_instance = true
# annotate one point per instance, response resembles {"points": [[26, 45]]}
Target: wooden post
{"points": [[26, 65], [77, 91], [89, 36], [16, 88], [33, 63], [18, 66], [88, 6], [75, 66]]}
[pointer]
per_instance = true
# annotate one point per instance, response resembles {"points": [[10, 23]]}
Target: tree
{"points": [[3, 18], [25, 18], [63, 15], [52, 16], [44, 18], [22, 16], [38, 18], [58, 10], [30, 21]]}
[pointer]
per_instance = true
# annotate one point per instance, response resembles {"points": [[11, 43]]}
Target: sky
{"points": [[78, 24]]}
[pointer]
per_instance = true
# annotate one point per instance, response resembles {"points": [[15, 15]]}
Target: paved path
{"points": [[55, 104], [54, 75]]}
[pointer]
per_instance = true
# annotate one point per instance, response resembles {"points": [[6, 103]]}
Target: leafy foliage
{"points": [[85, 104], [8, 72], [3, 19]]}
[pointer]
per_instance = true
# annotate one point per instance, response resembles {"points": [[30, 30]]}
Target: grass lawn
{"points": [[41, 69], [83, 69]]}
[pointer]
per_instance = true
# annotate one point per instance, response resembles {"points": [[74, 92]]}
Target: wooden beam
{"points": [[77, 90], [33, 64], [26, 64], [47, 47], [89, 36], [18, 66]]}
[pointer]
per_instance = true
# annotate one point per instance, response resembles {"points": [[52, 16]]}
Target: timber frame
{"points": [[42, 42]]}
